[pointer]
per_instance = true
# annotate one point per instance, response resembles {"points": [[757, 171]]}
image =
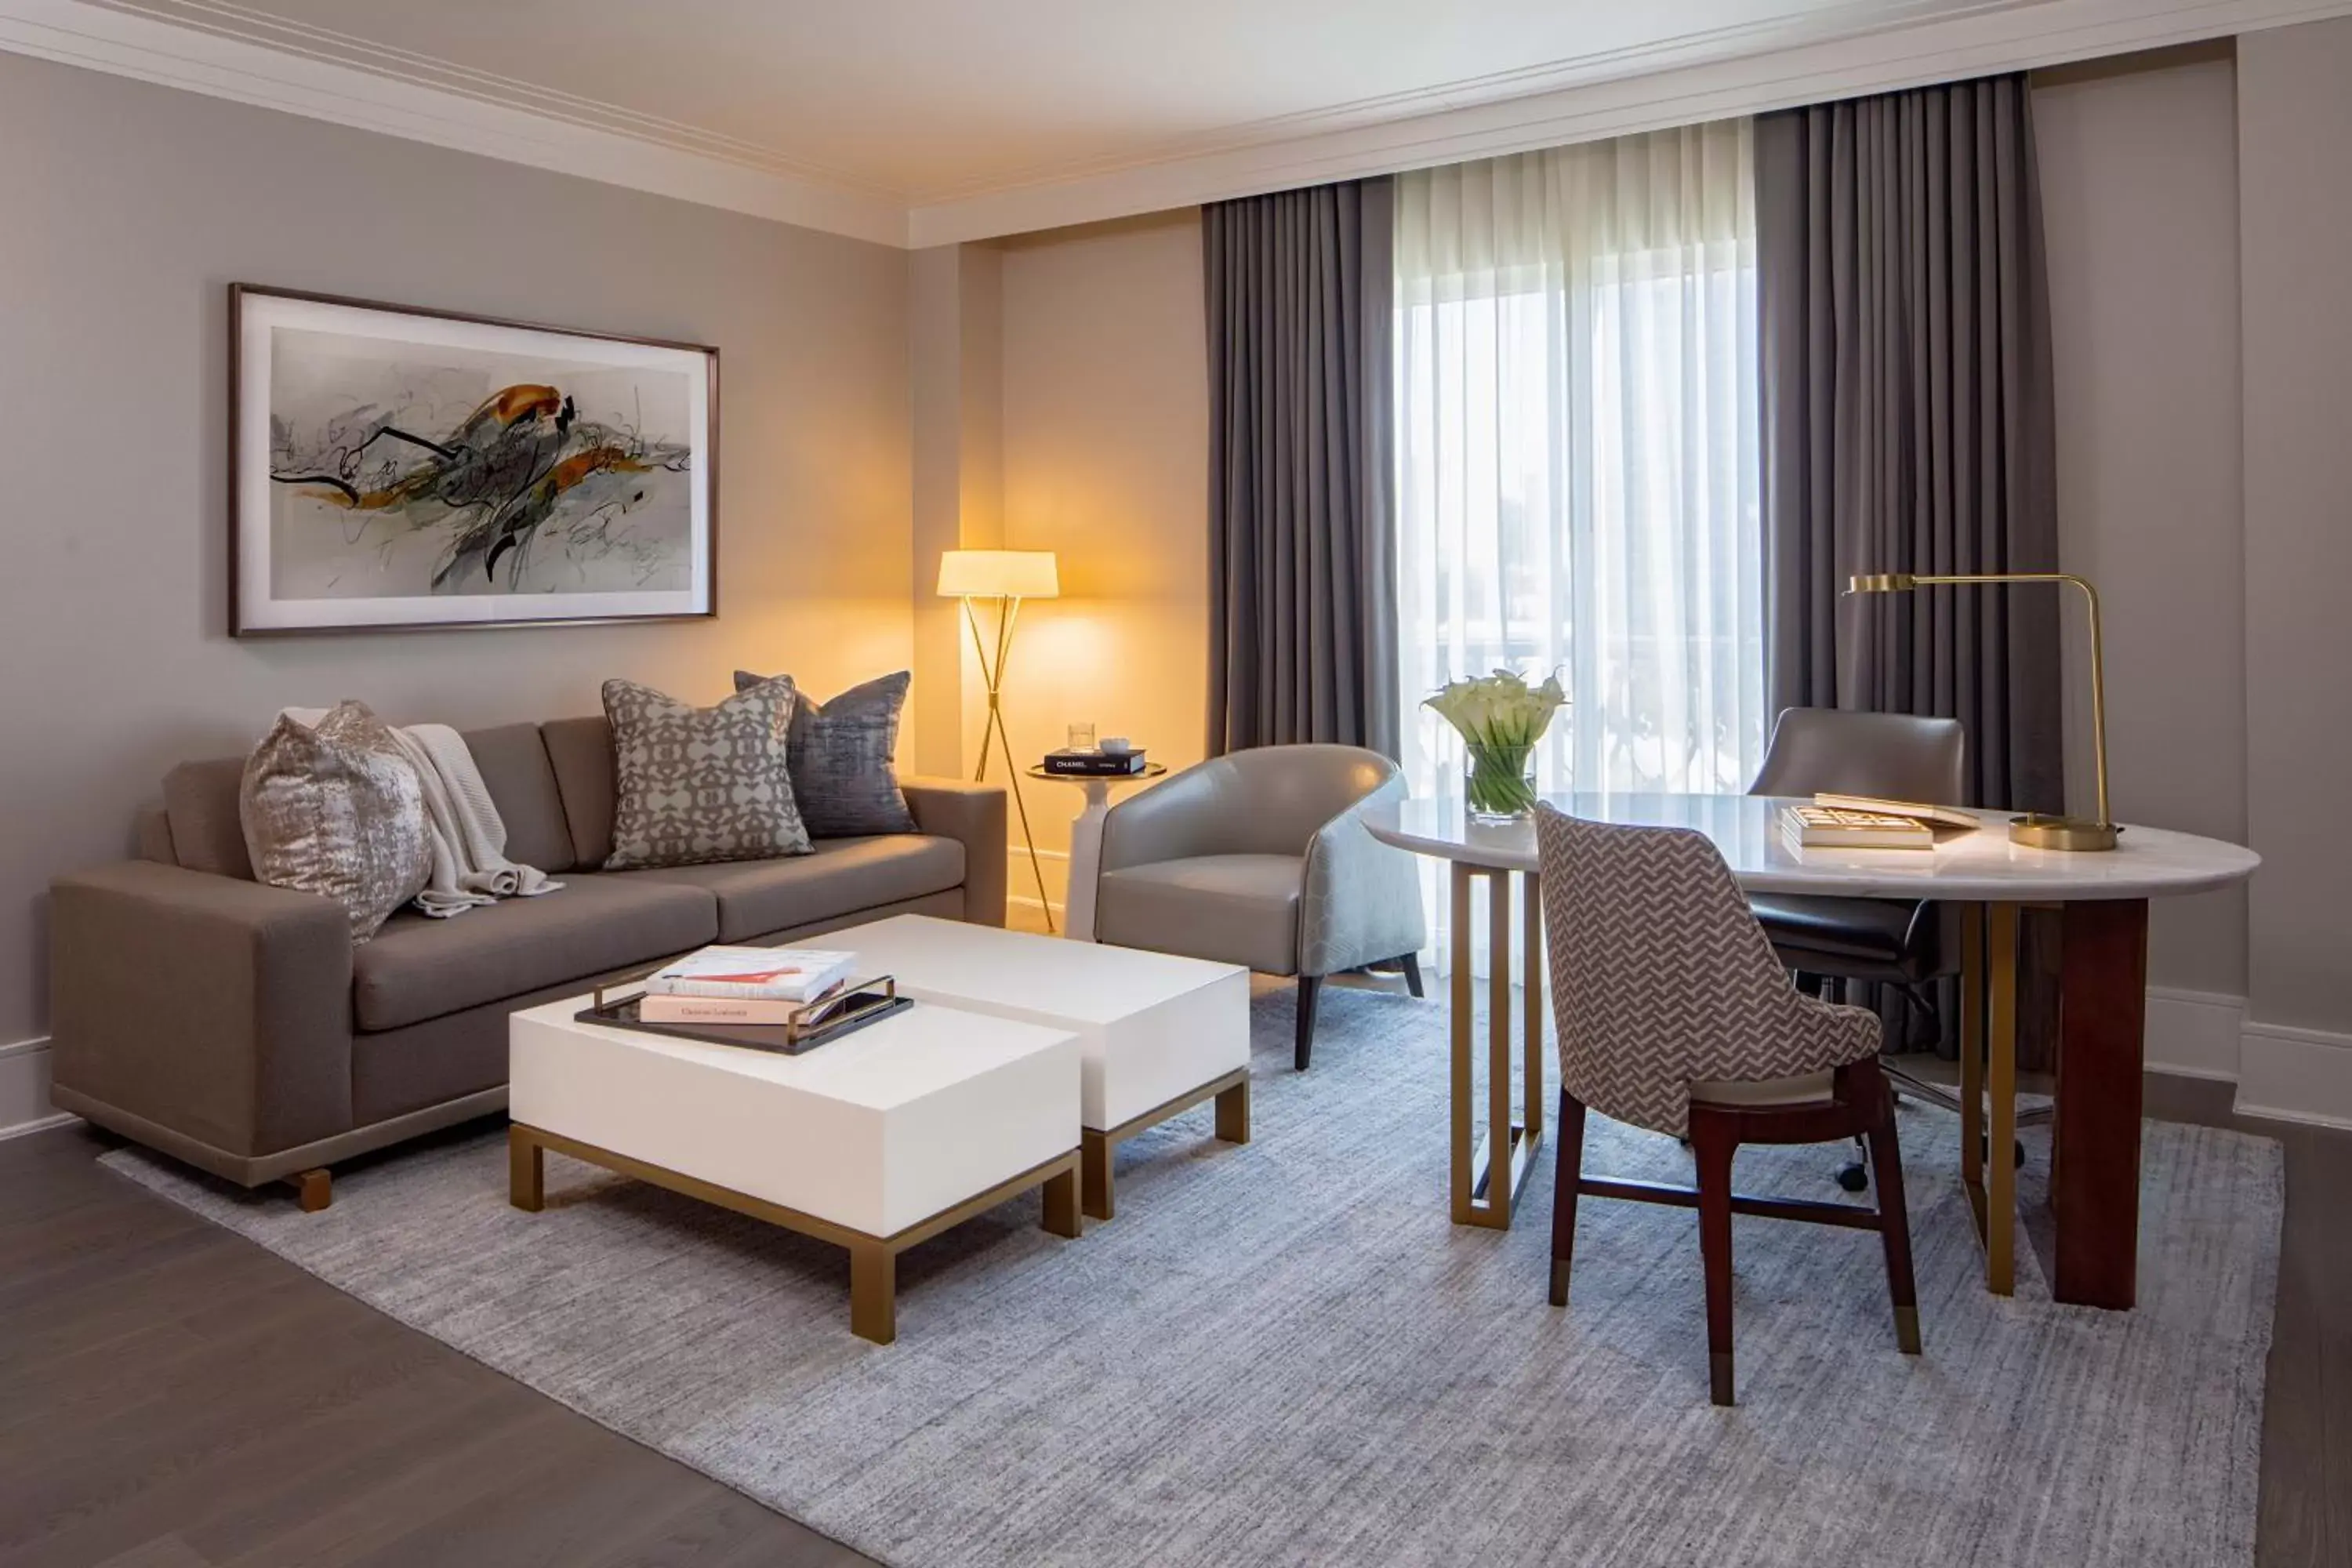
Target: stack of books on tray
{"points": [[1096, 764], [1861, 822], [742, 985]]}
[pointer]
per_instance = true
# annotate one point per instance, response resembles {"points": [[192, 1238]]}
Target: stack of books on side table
{"points": [[1861, 822], [1096, 764], [742, 985]]}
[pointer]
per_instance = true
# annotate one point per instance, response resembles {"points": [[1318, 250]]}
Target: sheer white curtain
{"points": [[1577, 456]]}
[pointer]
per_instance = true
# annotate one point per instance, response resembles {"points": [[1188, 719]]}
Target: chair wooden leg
{"points": [[1411, 962], [1309, 986], [1568, 1168], [1713, 1143], [1894, 1218]]}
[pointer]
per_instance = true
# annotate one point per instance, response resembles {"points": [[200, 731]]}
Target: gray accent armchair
{"points": [[1261, 859]]}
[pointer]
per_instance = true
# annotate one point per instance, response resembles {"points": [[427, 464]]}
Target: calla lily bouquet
{"points": [[1500, 718]]}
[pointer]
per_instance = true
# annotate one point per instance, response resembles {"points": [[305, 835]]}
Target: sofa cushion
{"points": [[1233, 909], [757, 897], [696, 786], [581, 752], [200, 802], [418, 968], [513, 761]]}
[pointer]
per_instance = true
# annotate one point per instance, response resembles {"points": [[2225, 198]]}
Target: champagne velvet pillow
{"points": [[336, 810], [842, 757], [692, 785]]}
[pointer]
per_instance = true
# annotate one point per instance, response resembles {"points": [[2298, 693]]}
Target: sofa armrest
{"points": [[218, 1008], [973, 815], [1361, 902]]}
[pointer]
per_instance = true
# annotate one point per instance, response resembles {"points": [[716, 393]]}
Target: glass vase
{"points": [[1498, 782]]}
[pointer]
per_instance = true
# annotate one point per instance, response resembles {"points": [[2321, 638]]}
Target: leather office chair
{"points": [[1261, 859], [1674, 1015], [1895, 756]]}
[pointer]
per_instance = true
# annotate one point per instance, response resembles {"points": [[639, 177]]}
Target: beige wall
{"points": [[2295, 138], [1105, 411], [1062, 403], [129, 208], [2140, 190]]}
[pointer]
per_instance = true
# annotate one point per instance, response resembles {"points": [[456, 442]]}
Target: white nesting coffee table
{"points": [[875, 1142], [1157, 1033]]}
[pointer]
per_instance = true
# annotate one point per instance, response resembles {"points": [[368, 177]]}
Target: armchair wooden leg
{"points": [[1568, 1168], [1309, 986], [1894, 1218], [1714, 1142], [1411, 962]]}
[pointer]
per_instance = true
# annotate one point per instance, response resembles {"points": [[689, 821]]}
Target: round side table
{"points": [[1085, 842]]}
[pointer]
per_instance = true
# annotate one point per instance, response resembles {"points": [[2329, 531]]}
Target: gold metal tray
{"points": [[819, 1023]]}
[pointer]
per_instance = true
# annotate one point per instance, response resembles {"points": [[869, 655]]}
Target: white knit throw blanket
{"points": [[467, 837]]}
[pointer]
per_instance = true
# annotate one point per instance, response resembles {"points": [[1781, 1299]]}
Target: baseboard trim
{"points": [[24, 1088], [2194, 1034], [2291, 1073]]}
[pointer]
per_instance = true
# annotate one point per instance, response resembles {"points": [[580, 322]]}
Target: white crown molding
{"points": [[209, 62], [1977, 43], [226, 50]]}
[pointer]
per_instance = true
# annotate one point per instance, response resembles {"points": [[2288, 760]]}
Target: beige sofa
{"points": [[234, 1025]]}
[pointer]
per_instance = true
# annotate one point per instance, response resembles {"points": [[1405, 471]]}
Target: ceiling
{"points": [[919, 121], [925, 99]]}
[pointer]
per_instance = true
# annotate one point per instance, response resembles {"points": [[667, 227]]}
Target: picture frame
{"points": [[399, 468]]}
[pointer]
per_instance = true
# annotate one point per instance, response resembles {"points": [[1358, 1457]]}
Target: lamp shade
{"points": [[999, 575]]}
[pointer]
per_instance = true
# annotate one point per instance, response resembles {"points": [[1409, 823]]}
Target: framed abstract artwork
{"points": [[401, 469]]}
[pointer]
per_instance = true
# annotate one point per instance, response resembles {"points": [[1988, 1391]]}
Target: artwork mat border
{"points": [[241, 470]]}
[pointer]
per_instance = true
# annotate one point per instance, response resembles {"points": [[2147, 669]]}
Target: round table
{"points": [[1085, 842], [2103, 899]]}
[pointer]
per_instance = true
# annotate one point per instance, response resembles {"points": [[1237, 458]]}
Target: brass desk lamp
{"points": [[2035, 829]]}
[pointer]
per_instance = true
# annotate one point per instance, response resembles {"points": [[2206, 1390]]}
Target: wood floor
{"points": [[174, 1396]]}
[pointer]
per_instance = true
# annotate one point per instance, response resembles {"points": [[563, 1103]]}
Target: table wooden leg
{"points": [[2094, 1163], [2000, 1070], [1061, 1195], [1531, 998], [526, 1169], [1499, 1140], [1094, 1159], [1973, 1058], [1234, 1114], [1457, 983], [873, 1292]]}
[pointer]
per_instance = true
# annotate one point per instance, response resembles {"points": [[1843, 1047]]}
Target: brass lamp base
{"points": [[2038, 831]]}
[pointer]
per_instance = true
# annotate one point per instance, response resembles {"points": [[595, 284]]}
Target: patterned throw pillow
{"points": [[842, 758], [692, 785], [335, 809]]}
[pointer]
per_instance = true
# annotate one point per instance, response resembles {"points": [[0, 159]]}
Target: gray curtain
{"points": [[1302, 571], [1907, 417]]}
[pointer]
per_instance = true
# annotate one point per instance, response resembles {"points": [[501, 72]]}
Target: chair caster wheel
{"points": [[1854, 1178]]}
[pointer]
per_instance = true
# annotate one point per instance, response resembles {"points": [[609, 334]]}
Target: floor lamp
{"points": [[1007, 576]]}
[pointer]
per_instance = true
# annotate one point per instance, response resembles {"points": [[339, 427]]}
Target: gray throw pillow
{"points": [[842, 757], [336, 810], [692, 785]]}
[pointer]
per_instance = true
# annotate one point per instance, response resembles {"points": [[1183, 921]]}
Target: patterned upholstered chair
{"points": [[1261, 858], [1674, 1016]]}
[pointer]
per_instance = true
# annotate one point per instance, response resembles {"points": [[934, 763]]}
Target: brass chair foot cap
{"points": [[1907, 1330]]}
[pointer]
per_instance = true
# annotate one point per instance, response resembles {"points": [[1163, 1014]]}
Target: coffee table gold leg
{"points": [[1093, 1157], [2001, 1071], [873, 1292], [1233, 1114], [526, 1170], [1061, 1195]]}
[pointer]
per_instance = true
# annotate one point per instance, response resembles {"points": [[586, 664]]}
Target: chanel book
{"points": [[1094, 764]]}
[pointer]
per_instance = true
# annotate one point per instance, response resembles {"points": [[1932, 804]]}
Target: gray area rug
{"points": [[1286, 1354]]}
